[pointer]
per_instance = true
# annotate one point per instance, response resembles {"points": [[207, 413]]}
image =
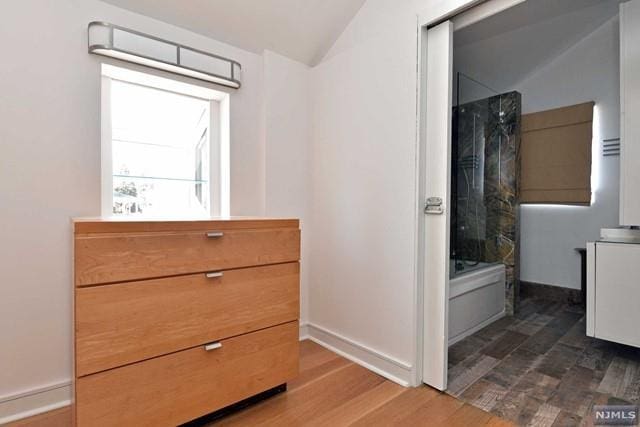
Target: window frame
{"points": [[218, 135]]}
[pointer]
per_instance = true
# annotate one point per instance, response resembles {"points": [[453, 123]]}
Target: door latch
{"points": [[434, 206]]}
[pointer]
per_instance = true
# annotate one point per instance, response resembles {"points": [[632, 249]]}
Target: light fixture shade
{"points": [[132, 46]]}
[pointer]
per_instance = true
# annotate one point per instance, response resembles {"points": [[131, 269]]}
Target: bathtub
{"points": [[476, 299]]}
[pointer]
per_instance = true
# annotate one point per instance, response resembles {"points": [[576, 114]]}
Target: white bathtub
{"points": [[476, 299]]}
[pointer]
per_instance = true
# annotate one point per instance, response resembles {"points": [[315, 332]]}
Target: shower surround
{"points": [[485, 188]]}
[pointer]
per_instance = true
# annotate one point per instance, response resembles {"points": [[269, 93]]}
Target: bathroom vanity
{"points": [[174, 320], [613, 262], [613, 274]]}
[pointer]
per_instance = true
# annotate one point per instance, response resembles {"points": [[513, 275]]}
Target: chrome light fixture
{"points": [[133, 46]]}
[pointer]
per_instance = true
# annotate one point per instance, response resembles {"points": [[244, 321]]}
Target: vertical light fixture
{"points": [[133, 46]]}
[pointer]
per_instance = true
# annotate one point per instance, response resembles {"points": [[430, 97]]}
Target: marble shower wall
{"points": [[485, 186]]}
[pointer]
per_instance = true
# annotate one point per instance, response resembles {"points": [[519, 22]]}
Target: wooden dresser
{"points": [[177, 319]]}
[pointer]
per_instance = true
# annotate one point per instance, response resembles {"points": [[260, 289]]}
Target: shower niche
{"points": [[484, 202]]}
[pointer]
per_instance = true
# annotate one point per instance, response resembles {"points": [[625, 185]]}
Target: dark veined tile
{"points": [[567, 419], [564, 321], [490, 332], [483, 394], [504, 345], [468, 372], [465, 348], [596, 358], [537, 385], [574, 393], [546, 415], [558, 360], [542, 341], [577, 335], [617, 378], [512, 368]]}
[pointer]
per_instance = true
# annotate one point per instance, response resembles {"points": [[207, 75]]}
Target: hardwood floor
{"points": [[540, 368], [56, 418], [332, 391]]}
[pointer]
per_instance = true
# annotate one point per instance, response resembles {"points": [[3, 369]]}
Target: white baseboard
{"points": [[34, 402], [476, 328], [304, 331], [382, 364]]}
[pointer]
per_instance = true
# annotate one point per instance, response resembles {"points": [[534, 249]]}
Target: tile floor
{"points": [[539, 368]]}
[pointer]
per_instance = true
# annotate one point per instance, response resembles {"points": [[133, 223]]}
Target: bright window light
{"points": [[162, 152]]}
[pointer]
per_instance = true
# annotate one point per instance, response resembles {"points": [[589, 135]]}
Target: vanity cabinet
{"points": [[613, 292], [174, 320], [630, 112]]}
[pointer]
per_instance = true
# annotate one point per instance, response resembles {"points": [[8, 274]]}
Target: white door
{"points": [[437, 152]]}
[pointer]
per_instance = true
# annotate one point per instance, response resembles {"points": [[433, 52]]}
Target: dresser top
{"points": [[125, 225]]}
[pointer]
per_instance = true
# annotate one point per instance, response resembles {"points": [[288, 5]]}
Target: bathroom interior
{"points": [[517, 295]]}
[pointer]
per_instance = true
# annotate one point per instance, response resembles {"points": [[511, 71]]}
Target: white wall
{"points": [[588, 71], [364, 210], [287, 104], [50, 169]]}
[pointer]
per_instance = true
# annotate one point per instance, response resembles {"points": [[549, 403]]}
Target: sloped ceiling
{"points": [[303, 30], [507, 48]]}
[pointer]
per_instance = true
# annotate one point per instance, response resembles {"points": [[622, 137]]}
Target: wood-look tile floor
{"points": [[331, 391], [539, 368]]}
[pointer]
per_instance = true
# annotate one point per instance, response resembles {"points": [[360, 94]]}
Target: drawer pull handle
{"points": [[213, 346], [214, 234], [214, 274]]}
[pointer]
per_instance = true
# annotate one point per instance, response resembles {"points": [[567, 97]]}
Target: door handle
{"points": [[214, 274], [434, 206], [214, 234]]}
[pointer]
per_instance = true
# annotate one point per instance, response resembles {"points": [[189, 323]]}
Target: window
{"points": [[164, 151], [556, 156]]}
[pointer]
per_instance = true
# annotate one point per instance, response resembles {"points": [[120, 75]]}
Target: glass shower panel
{"points": [[468, 220], [483, 182]]}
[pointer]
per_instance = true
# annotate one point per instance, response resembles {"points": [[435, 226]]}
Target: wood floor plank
{"points": [[351, 411], [311, 401], [56, 418], [467, 416], [317, 372], [394, 411], [433, 411], [499, 422], [312, 355]]}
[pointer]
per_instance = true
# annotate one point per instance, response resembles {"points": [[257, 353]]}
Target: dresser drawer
{"points": [[117, 257], [128, 322], [173, 389]]}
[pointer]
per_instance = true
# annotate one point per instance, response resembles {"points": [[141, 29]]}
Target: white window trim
{"points": [[219, 134]]}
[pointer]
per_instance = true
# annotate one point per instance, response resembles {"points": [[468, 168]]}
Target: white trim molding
{"points": [[389, 367], [304, 331], [34, 402]]}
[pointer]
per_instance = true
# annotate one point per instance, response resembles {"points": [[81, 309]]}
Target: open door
{"points": [[437, 187]]}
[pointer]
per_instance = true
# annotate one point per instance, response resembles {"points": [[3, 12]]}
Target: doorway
{"points": [[434, 135], [525, 357]]}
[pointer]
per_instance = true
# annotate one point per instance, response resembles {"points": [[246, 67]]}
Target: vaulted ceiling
{"points": [[303, 30], [507, 48]]}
